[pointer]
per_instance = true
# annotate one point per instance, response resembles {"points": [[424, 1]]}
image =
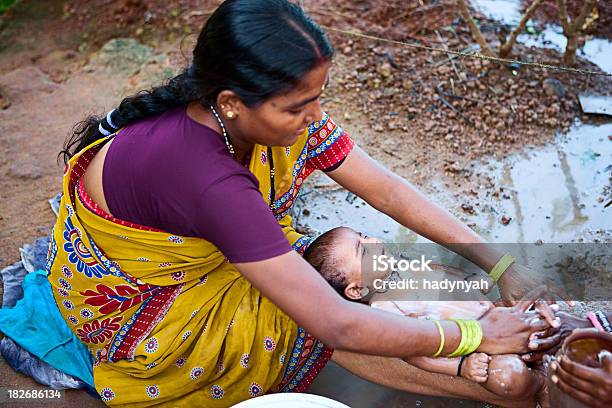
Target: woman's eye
{"points": [[296, 112]]}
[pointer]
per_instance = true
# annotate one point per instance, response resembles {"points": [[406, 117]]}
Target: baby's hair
{"points": [[321, 254]]}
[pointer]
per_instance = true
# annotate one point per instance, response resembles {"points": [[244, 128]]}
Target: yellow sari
{"points": [[167, 318]]}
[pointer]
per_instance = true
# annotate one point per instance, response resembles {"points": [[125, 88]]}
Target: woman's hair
{"points": [[322, 255], [255, 48]]}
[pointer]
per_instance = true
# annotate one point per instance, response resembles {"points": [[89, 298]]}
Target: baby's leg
{"points": [[509, 376]]}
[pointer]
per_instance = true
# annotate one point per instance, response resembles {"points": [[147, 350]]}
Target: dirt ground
{"points": [[423, 115]]}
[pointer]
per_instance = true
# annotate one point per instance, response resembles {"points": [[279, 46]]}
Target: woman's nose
{"points": [[314, 112]]}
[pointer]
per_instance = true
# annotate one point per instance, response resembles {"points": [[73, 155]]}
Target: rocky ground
{"points": [[425, 115]]}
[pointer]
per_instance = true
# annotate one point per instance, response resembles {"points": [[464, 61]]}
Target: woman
{"points": [[174, 258]]}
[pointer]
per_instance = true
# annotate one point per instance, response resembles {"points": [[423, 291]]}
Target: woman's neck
{"points": [[204, 116]]}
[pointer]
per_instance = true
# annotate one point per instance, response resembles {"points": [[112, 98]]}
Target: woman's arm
{"points": [[399, 199], [294, 286]]}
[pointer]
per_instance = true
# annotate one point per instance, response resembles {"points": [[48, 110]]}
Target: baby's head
{"points": [[338, 254]]}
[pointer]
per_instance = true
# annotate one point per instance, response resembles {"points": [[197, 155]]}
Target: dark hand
{"points": [[568, 324], [591, 386], [508, 330], [518, 280]]}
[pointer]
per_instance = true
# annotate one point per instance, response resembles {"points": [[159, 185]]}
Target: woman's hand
{"points": [[516, 281], [507, 330], [591, 386]]}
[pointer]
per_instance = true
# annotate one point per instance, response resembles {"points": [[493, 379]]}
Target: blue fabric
{"points": [[36, 324]]}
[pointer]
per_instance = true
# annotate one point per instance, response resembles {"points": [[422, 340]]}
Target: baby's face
{"points": [[356, 252]]}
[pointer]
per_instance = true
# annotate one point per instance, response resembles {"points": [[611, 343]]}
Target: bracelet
{"points": [[501, 266], [442, 339], [594, 321], [605, 323], [460, 364], [471, 337]]}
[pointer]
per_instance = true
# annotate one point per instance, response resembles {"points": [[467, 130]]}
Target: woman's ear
{"points": [[355, 292], [229, 104]]}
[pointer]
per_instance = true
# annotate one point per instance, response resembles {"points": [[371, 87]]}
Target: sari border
{"points": [[307, 359]]}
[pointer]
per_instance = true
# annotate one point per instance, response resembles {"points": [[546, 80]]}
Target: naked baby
{"points": [[338, 256]]}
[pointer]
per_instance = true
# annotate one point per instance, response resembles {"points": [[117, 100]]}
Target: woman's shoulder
{"points": [[171, 155]]}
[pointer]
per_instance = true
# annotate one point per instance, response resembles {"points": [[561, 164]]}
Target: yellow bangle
{"points": [[471, 337], [501, 266], [442, 339], [464, 336]]}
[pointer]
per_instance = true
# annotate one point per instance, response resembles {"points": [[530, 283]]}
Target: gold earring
{"points": [[230, 115]]}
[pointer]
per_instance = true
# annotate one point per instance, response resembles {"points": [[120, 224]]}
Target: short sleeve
{"points": [[235, 218], [328, 144]]}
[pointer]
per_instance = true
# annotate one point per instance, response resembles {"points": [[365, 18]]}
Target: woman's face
{"points": [[280, 120]]}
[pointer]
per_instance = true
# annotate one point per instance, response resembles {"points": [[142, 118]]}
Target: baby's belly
{"points": [[439, 310]]}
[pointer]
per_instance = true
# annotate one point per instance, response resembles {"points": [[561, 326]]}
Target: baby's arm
{"points": [[439, 365], [473, 368]]}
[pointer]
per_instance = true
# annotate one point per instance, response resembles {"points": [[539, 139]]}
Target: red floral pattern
{"points": [[120, 297], [99, 331]]}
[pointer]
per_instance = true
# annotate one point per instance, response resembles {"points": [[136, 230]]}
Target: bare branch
{"points": [[565, 22], [587, 6], [476, 33], [505, 48]]}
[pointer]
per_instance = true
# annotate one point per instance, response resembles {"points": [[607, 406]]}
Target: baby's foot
{"points": [[475, 367]]}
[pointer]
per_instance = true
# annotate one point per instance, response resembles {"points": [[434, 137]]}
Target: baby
{"points": [[338, 256]]}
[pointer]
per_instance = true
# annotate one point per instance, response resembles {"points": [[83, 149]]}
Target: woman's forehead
{"points": [[311, 86]]}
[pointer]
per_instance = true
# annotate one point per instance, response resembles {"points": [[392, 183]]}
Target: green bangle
{"points": [[501, 266]]}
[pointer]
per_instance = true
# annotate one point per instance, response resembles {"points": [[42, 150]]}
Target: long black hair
{"points": [[255, 48]]}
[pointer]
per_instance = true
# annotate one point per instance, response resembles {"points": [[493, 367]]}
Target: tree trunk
{"points": [[572, 29], [476, 33], [570, 50]]}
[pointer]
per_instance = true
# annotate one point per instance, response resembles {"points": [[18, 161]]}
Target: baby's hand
{"points": [[475, 367]]}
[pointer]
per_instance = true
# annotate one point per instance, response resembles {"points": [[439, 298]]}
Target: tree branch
{"points": [[505, 48], [476, 33], [565, 23], [587, 6]]}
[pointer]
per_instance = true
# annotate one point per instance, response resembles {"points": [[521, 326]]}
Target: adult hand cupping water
{"points": [[590, 385]]}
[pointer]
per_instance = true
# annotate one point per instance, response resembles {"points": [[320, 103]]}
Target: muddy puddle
{"points": [[550, 193]]}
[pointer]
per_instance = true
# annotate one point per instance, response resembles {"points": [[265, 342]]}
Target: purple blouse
{"points": [[172, 173]]}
